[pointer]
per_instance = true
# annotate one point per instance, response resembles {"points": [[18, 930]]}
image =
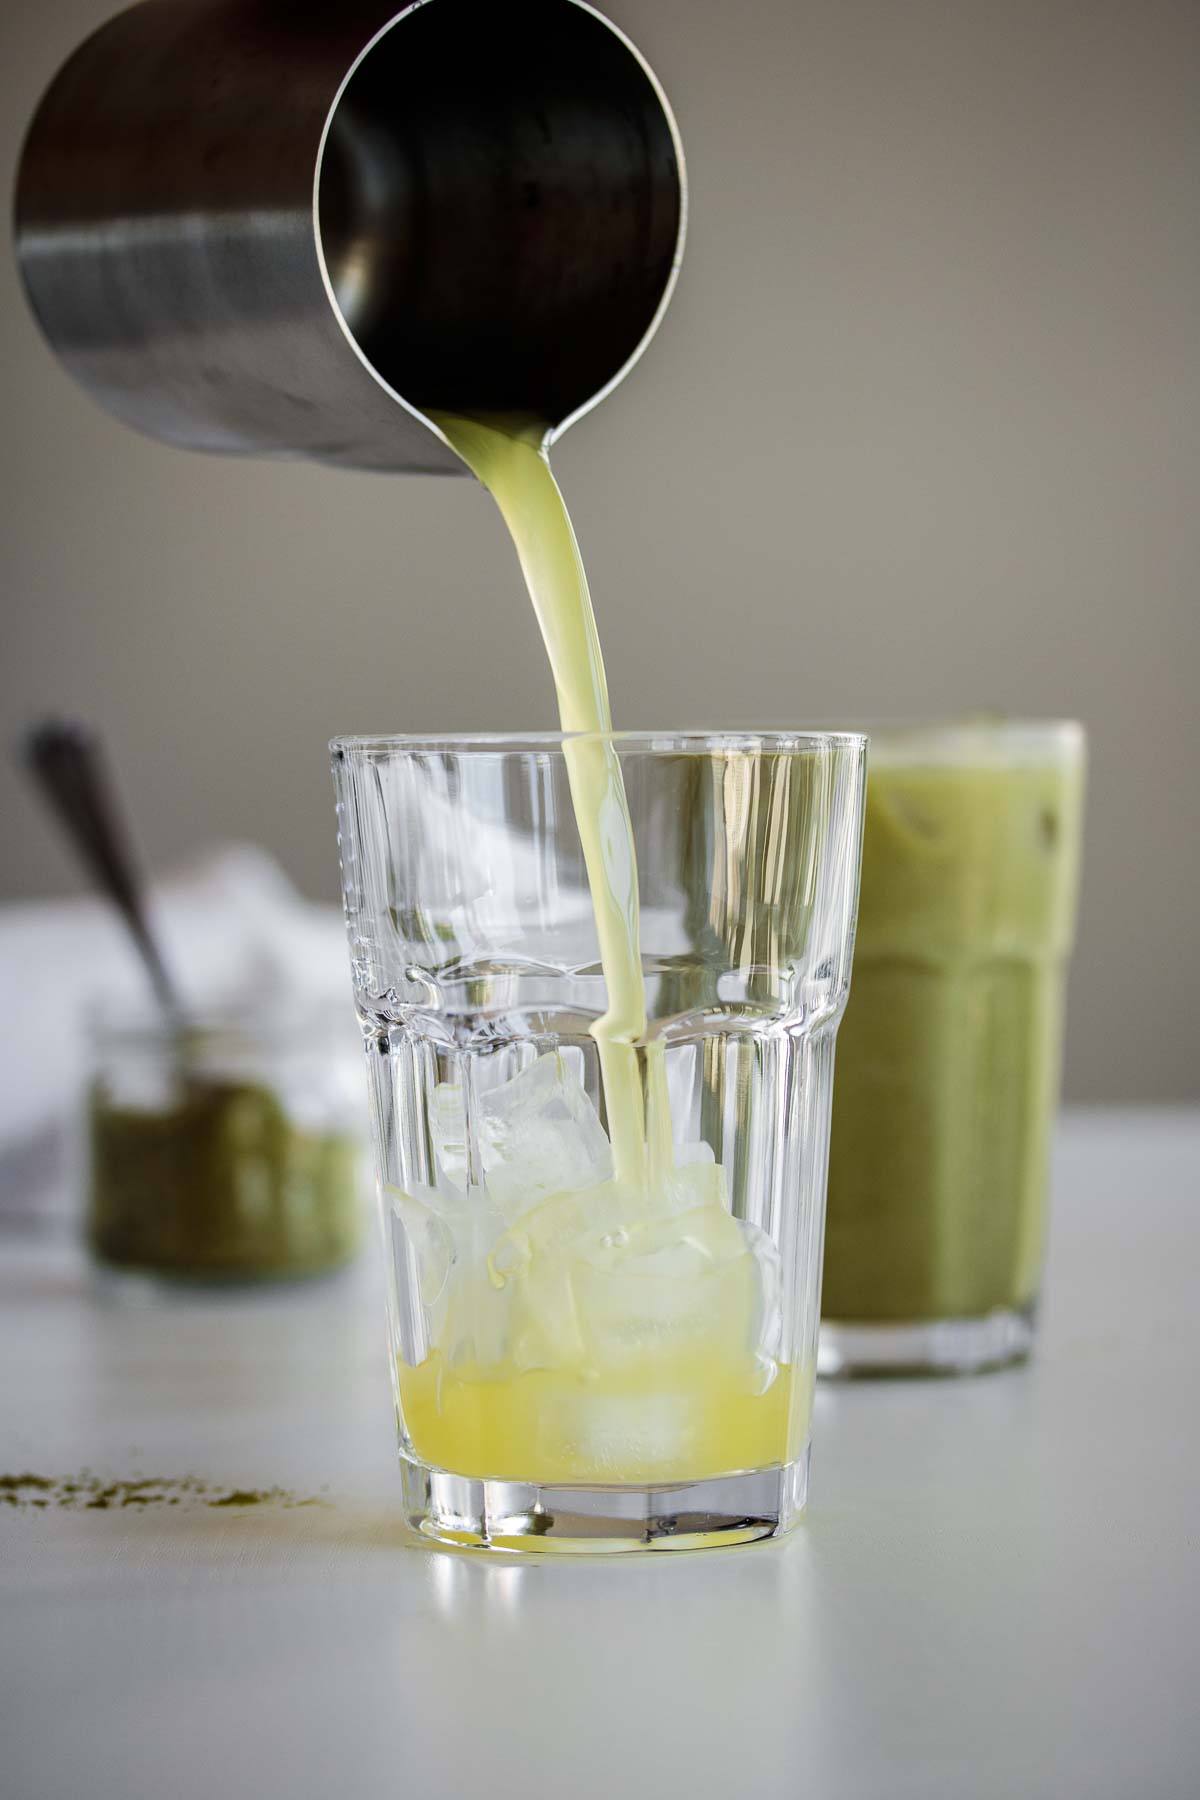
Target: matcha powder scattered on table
{"points": [[98, 1494]]}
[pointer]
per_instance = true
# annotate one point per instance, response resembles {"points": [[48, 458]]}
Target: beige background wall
{"points": [[920, 433]]}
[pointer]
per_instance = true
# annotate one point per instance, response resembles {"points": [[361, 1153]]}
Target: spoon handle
{"points": [[68, 762]]}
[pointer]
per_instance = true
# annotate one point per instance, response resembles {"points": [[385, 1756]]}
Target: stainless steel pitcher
{"points": [[287, 227]]}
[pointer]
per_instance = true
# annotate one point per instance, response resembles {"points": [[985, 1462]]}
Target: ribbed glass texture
{"points": [[551, 1323]]}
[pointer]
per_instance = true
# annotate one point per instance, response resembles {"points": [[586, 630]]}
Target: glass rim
{"points": [[782, 739], [952, 739]]}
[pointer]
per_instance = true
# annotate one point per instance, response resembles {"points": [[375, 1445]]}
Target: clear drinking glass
{"points": [[948, 1062], [587, 1359]]}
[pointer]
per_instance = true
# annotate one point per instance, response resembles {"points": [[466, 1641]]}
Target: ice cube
{"points": [[706, 1233], [429, 1236], [448, 1129], [476, 1327], [451, 1237], [675, 1287], [767, 1325], [696, 1180], [533, 1261], [539, 1135], [563, 1227], [622, 1437]]}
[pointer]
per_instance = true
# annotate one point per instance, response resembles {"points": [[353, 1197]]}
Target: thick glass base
{"points": [[928, 1346], [528, 1518]]}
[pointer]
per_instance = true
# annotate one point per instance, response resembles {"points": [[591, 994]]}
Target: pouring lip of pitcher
{"points": [[555, 430]]}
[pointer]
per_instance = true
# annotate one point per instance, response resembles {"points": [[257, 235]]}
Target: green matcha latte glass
{"points": [[948, 1059]]}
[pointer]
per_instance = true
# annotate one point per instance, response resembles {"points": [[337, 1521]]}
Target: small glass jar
{"points": [[227, 1147]]}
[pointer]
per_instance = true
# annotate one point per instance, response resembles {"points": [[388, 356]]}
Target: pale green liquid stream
{"points": [[507, 456]]}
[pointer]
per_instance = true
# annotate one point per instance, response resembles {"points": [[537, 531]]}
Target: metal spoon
{"points": [[67, 761]]}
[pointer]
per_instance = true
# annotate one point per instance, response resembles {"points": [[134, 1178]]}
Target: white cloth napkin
{"points": [[232, 928]]}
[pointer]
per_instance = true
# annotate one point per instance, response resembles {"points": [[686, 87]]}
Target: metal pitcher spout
{"points": [[290, 229]]}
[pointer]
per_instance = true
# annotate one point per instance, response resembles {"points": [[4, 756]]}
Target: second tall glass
{"points": [[585, 1358], [949, 1062]]}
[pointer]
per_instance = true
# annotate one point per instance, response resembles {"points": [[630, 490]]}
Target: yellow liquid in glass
{"points": [[682, 1419]]}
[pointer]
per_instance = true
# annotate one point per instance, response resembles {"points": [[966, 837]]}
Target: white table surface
{"points": [[994, 1592]]}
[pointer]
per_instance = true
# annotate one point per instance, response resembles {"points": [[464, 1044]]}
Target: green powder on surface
{"points": [[91, 1492]]}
